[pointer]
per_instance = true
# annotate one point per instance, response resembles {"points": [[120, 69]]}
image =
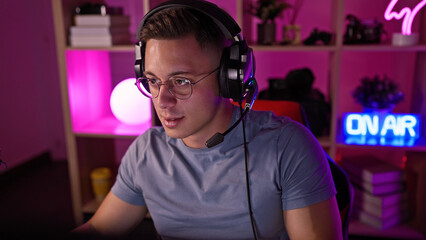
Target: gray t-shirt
{"points": [[201, 193]]}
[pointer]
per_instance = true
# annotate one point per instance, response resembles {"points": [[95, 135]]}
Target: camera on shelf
{"points": [[363, 31]]}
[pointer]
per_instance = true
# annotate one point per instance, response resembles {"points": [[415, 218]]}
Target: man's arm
{"points": [[318, 221], [113, 218]]}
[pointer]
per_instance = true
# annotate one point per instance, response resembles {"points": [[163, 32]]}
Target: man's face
{"points": [[195, 119]]}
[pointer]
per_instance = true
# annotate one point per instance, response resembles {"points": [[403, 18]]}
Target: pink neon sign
{"points": [[406, 12]]}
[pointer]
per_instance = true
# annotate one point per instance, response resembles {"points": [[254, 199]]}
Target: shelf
{"points": [[384, 48], [404, 231], [117, 48], [109, 127], [290, 48], [294, 48], [282, 48], [417, 145]]}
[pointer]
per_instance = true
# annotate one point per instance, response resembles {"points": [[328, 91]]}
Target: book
{"points": [[381, 211], [380, 201], [99, 41], [378, 189], [380, 223], [101, 20], [98, 30], [372, 170]]}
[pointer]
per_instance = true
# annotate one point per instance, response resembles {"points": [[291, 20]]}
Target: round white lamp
{"points": [[128, 105]]}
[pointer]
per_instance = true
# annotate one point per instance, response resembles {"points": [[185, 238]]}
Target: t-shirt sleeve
{"points": [[124, 186], [305, 172]]}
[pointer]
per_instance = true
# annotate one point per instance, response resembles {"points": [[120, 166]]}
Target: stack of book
{"points": [[380, 196], [93, 30]]}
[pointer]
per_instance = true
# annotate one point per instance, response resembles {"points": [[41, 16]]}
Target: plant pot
{"points": [[266, 33], [380, 111]]}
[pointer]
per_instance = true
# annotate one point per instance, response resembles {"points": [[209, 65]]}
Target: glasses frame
{"points": [[139, 84]]}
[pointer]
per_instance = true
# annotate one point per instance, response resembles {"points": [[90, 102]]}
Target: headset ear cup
{"points": [[140, 59], [143, 47], [231, 81], [223, 74]]}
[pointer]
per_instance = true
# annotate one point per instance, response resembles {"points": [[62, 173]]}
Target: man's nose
{"points": [[165, 98]]}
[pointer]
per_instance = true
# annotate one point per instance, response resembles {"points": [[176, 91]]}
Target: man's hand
{"points": [[114, 218]]}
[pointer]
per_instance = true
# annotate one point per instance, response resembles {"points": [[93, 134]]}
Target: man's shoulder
{"points": [[267, 119], [267, 123]]}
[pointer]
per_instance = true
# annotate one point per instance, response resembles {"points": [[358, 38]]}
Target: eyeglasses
{"points": [[180, 88]]}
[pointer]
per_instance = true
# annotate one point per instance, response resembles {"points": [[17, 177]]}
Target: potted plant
{"points": [[377, 94], [267, 11]]}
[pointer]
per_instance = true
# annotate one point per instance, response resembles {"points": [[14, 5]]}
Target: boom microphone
{"points": [[250, 96]]}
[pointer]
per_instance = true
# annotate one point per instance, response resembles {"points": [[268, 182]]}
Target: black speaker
{"points": [[237, 64]]}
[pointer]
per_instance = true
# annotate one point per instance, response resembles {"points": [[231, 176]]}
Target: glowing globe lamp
{"points": [[128, 105]]}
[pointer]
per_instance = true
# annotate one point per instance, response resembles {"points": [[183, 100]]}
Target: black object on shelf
{"points": [[363, 31], [297, 87], [318, 38]]}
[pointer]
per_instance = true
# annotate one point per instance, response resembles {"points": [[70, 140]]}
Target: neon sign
{"points": [[381, 129], [406, 12]]}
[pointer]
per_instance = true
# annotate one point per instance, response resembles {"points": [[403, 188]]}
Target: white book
{"points": [[99, 41], [380, 201], [380, 212], [379, 223], [98, 30], [378, 189], [101, 20], [372, 170]]}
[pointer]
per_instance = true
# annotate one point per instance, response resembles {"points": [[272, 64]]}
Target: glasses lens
{"points": [[181, 88], [144, 86]]}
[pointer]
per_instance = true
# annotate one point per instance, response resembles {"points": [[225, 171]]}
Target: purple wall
{"points": [[30, 105]]}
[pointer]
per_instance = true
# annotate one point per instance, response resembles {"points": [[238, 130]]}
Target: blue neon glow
{"points": [[372, 141], [381, 129]]}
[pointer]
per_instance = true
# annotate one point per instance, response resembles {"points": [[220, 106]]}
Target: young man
{"points": [[194, 192]]}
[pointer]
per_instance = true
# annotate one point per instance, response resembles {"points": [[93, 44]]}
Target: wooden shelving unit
{"points": [[92, 144]]}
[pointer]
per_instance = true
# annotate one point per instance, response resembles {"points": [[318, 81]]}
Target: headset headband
{"points": [[227, 24]]}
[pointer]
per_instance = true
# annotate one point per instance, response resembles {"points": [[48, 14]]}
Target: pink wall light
{"points": [[406, 37], [405, 13]]}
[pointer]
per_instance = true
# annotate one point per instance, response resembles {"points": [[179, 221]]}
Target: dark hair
{"points": [[173, 23]]}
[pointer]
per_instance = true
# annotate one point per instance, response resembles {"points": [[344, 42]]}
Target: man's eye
{"points": [[181, 82], [152, 81]]}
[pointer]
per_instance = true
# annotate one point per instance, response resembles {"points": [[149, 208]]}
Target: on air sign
{"points": [[381, 129]]}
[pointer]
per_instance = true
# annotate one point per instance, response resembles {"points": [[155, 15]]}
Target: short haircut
{"points": [[174, 23]]}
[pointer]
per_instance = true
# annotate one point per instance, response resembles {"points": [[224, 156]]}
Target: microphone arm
{"points": [[251, 93]]}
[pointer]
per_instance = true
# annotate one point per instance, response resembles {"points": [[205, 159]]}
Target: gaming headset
{"points": [[236, 71]]}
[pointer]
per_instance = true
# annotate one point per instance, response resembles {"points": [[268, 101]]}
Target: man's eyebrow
{"points": [[172, 74], [149, 73]]}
